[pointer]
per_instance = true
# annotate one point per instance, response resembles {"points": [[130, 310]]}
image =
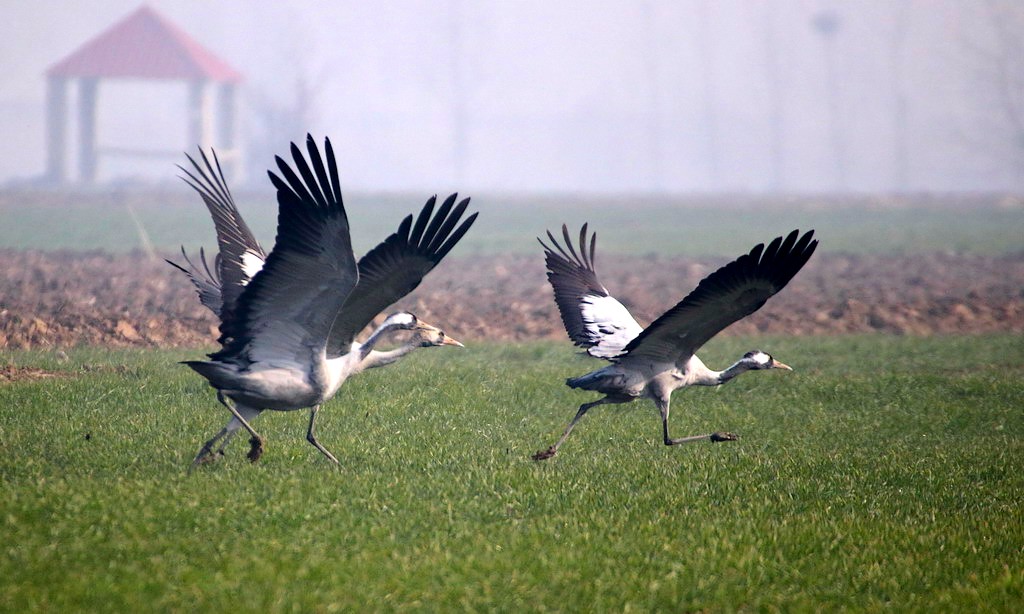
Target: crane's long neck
{"points": [[740, 366], [380, 359], [362, 357], [377, 335]]}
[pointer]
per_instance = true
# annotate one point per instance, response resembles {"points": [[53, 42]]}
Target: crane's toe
{"points": [[255, 449], [544, 454], [722, 436], [205, 456]]}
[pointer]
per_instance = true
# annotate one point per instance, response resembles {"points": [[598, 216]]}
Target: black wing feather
{"points": [[287, 310], [574, 280], [234, 239], [731, 293], [207, 283], [395, 267], [571, 279]]}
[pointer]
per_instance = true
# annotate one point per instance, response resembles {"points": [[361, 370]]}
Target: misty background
{"points": [[570, 96]]}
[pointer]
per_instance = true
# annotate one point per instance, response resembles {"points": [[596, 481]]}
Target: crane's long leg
{"points": [[227, 440], [663, 406], [311, 438], [256, 442], [205, 454], [545, 454]]}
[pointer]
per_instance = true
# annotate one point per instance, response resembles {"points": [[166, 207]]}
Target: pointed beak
{"points": [[433, 330], [779, 365]]}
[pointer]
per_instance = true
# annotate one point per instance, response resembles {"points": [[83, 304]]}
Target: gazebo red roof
{"points": [[144, 45]]}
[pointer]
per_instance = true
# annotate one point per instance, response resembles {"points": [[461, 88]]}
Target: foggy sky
{"points": [[575, 96]]}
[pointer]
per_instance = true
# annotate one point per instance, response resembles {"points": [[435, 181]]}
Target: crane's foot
{"points": [[255, 449], [545, 454], [205, 456], [206, 453], [723, 436], [325, 452]]}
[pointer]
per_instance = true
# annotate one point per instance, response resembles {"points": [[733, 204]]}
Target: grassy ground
{"points": [[691, 226], [885, 473]]}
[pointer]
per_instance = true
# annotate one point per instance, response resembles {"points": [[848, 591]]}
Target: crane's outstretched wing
{"points": [[593, 318], [205, 279], [286, 311], [732, 292], [240, 256], [395, 267]]}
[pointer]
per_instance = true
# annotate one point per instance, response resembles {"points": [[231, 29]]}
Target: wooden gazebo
{"points": [[144, 45]]}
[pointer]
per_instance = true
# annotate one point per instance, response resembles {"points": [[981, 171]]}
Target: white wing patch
{"points": [[251, 264], [609, 325]]}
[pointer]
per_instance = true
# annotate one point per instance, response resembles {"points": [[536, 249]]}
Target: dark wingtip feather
{"points": [[332, 169], [558, 246], [176, 265], [568, 243], [279, 184], [435, 231], [455, 237], [421, 221], [593, 248], [443, 224], [403, 228]]}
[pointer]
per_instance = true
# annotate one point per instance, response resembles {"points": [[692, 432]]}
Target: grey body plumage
{"points": [[653, 362], [289, 319]]}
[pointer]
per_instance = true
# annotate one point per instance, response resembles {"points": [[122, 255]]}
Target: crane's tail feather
{"points": [[590, 381], [216, 373]]}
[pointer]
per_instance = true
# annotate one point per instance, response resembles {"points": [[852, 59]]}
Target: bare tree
{"points": [[706, 45], [776, 110], [651, 57], [460, 113], [827, 24], [996, 55], [286, 111], [279, 121], [901, 106]]}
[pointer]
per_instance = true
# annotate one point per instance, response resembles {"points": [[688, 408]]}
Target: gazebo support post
{"points": [[200, 116], [87, 89], [227, 127], [56, 129]]}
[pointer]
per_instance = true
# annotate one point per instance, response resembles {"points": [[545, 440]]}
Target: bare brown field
{"points": [[56, 300]]}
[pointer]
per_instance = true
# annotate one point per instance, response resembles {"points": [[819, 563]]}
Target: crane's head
{"points": [[756, 359], [431, 336], [424, 334]]}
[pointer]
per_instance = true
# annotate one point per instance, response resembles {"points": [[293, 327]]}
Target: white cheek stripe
{"points": [[402, 319]]}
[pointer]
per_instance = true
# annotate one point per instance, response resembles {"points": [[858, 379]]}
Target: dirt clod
{"points": [[11, 373]]}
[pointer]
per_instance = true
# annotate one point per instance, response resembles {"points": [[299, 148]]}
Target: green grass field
{"points": [[884, 474], [691, 226]]}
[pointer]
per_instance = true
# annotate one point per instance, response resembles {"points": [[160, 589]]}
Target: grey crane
{"points": [[653, 362], [289, 319]]}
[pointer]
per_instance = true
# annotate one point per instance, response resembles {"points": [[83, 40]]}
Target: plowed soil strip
{"points": [[53, 299]]}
